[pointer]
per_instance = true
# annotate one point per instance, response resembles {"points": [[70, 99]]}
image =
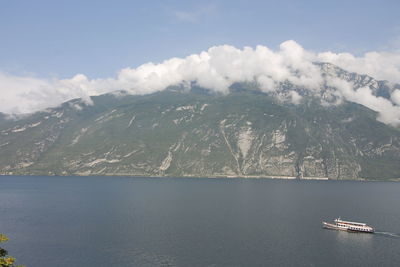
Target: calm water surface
{"points": [[116, 221]]}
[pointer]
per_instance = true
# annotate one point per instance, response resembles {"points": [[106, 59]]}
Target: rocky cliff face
{"points": [[194, 133]]}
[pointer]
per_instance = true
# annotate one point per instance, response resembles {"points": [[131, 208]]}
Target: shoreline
{"points": [[272, 177]]}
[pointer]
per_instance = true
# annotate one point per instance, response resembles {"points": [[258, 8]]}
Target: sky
{"points": [[54, 38], [52, 51]]}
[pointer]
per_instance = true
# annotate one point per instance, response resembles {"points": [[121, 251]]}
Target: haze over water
{"points": [[116, 221]]}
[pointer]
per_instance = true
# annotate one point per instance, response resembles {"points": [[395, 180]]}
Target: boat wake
{"points": [[388, 234]]}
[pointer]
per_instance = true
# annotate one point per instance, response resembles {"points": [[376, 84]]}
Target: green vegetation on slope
{"points": [[180, 133]]}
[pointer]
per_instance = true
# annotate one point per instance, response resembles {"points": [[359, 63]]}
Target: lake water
{"points": [[117, 221]]}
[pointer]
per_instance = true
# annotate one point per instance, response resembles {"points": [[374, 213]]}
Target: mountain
{"points": [[193, 132]]}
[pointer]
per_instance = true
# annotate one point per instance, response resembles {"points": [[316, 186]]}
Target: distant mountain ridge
{"points": [[193, 132], [379, 88]]}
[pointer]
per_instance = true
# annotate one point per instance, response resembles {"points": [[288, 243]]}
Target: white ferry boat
{"points": [[348, 226]]}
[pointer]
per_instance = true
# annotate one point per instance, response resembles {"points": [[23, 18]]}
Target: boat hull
{"points": [[335, 227]]}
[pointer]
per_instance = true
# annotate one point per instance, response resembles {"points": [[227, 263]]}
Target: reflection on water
{"points": [[344, 237]]}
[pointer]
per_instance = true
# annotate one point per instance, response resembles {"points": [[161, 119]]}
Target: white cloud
{"points": [[185, 16], [29, 94], [388, 112], [217, 69], [380, 65], [295, 97], [396, 96], [16, 91], [194, 16]]}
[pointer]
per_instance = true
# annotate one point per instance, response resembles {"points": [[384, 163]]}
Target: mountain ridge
{"points": [[193, 132]]}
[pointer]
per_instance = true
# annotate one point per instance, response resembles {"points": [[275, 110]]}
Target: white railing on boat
{"points": [[349, 222]]}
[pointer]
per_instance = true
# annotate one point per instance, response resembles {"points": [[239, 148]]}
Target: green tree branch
{"points": [[6, 261]]}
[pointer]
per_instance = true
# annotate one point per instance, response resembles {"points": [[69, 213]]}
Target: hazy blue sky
{"points": [[53, 38]]}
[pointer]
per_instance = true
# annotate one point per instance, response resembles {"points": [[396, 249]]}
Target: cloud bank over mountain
{"points": [[217, 69]]}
